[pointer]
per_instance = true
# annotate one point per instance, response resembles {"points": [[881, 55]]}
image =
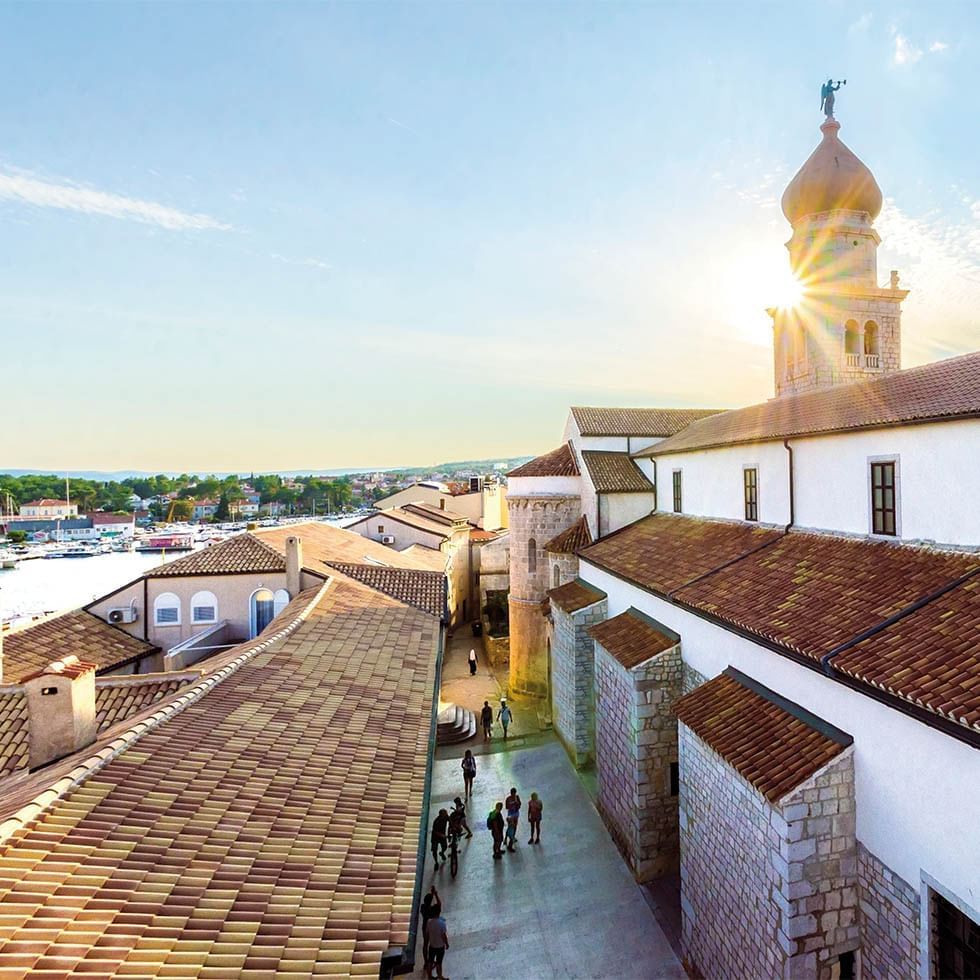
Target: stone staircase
{"points": [[454, 725]]}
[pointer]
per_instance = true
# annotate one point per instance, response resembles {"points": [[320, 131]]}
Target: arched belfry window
{"points": [[532, 556], [872, 341], [852, 343]]}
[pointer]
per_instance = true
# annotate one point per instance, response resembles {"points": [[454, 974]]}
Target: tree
{"points": [[182, 510], [223, 513]]}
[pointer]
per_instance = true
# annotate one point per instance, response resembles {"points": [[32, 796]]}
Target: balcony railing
{"points": [[852, 360], [872, 360]]}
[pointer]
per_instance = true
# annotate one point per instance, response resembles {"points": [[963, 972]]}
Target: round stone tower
{"points": [[845, 327], [543, 499]]}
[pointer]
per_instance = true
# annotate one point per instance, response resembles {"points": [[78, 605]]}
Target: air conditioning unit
{"points": [[387, 539], [122, 614]]}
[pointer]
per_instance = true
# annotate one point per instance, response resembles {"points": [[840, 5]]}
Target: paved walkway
{"points": [[567, 907]]}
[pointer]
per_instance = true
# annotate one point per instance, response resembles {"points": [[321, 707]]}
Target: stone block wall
{"points": [[890, 918], [562, 569], [766, 890], [690, 678], [572, 679], [534, 519], [636, 742]]}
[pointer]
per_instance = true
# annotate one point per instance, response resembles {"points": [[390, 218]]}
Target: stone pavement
{"points": [[458, 687], [567, 907]]}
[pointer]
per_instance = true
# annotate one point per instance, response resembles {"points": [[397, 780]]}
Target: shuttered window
{"points": [[750, 477], [677, 492], [883, 491]]}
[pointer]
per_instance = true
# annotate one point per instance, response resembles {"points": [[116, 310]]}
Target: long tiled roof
{"points": [[421, 589], [575, 595], [400, 515], [438, 514], [14, 727], [325, 543], [615, 472], [943, 390], [663, 551], [569, 541], [813, 594], [770, 743], [652, 422], [242, 554], [271, 825], [76, 633], [559, 462], [632, 637], [117, 699]]}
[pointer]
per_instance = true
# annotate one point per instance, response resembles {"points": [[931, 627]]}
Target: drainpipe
{"points": [[792, 488], [598, 515], [656, 488], [825, 660]]}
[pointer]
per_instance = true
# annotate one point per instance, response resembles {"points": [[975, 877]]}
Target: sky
{"points": [[281, 236]]}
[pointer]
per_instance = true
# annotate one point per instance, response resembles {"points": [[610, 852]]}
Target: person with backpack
{"points": [[495, 824], [486, 719], [469, 772]]}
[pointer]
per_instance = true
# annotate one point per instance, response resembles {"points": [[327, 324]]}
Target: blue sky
{"points": [[277, 236]]}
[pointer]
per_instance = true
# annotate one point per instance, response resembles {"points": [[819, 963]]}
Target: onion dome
{"points": [[832, 179]]}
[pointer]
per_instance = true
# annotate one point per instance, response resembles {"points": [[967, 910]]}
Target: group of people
{"points": [[435, 937], [504, 830], [505, 716], [447, 826]]}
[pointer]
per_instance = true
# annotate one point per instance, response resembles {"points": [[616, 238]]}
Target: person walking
{"points": [[513, 806], [438, 944], [504, 715], [469, 772], [534, 810], [495, 824], [486, 719], [457, 819], [472, 662], [440, 831], [431, 908]]}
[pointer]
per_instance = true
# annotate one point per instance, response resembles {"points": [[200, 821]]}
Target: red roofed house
{"points": [[48, 508]]}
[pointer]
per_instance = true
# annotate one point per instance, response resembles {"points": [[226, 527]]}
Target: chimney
{"points": [[61, 709], [294, 566]]}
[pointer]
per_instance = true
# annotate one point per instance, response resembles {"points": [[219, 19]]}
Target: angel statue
{"points": [[827, 96]]}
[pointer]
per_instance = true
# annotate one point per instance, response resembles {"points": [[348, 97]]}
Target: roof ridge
{"points": [[93, 763]]}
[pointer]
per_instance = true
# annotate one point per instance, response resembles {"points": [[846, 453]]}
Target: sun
{"points": [[785, 290]]}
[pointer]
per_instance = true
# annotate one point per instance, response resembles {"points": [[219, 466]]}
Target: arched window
{"points": [[872, 352], [532, 556], [262, 610], [852, 338], [204, 608], [166, 610], [279, 601], [556, 577]]}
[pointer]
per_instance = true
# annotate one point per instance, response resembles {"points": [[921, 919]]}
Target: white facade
{"points": [[917, 789]]}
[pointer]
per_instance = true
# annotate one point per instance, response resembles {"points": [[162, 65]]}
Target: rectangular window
{"points": [[203, 614], [956, 940], [883, 497], [677, 491], [381, 529], [167, 615], [750, 477]]}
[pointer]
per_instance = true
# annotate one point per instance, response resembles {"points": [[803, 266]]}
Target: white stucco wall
{"points": [[542, 486], [937, 479], [619, 509], [918, 790]]}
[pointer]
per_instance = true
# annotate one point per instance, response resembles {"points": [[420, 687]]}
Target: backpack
{"points": [[490, 817], [469, 765]]}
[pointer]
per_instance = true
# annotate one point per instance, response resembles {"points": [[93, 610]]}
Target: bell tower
{"points": [[845, 326]]}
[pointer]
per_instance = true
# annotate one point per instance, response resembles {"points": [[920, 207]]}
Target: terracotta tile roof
{"points": [[438, 514], [273, 824], [119, 698], [69, 666], [242, 554], [809, 594], [615, 473], [636, 421], [478, 534], [571, 539], [633, 637], [559, 462], [325, 543], [423, 590], [75, 633], [943, 390], [46, 502], [575, 595], [14, 744], [402, 516], [767, 740], [931, 657], [663, 551]]}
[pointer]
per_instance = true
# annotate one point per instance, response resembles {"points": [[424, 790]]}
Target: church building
{"points": [[762, 628]]}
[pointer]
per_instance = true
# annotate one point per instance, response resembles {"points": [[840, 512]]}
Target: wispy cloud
{"points": [[310, 262], [938, 46], [861, 24], [906, 53], [26, 188]]}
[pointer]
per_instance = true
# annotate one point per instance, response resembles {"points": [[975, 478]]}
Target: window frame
{"points": [[877, 461], [210, 599], [677, 486], [752, 504], [158, 607]]}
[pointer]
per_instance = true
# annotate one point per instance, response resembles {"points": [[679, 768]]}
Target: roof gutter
{"points": [[952, 728], [792, 486], [401, 959]]}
